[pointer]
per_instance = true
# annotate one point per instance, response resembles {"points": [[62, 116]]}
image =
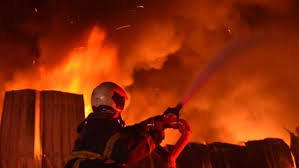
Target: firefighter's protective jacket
{"points": [[104, 143]]}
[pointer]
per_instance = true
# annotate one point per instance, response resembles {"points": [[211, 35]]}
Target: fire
{"points": [[37, 134], [80, 72], [85, 67], [160, 56]]}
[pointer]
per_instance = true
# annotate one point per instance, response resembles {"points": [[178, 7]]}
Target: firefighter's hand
{"points": [[170, 120], [184, 127], [161, 122]]}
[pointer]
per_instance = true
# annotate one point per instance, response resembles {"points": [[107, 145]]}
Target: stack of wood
{"points": [[58, 113], [17, 130], [267, 153]]}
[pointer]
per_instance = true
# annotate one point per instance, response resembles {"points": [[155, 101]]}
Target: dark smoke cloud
{"points": [[163, 49]]}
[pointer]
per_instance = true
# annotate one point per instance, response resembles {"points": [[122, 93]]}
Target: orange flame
{"points": [[96, 61], [38, 150], [86, 67], [80, 72]]}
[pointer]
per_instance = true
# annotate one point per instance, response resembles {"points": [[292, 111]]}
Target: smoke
{"points": [[157, 57]]}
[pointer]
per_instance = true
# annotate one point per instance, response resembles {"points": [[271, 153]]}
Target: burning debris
{"points": [[265, 153]]}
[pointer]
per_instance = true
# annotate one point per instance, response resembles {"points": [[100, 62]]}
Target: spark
{"points": [[140, 6], [123, 27], [35, 10], [229, 30]]}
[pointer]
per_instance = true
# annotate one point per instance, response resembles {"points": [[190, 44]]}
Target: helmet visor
{"points": [[119, 100]]}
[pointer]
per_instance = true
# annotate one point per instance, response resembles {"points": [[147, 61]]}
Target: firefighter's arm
{"points": [[140, 149], [130, 148], [185, 131], [154, 135], [139, 140]]}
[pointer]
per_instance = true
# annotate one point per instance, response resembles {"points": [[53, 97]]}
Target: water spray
{"points": [[207, 72], [217, 62]]}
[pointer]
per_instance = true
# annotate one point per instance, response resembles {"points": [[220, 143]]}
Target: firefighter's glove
{"points": [[170, 120], [184, 127], [161, 122]]}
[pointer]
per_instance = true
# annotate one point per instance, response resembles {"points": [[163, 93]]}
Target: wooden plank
{"points": [[61, 113], [17, 129]]}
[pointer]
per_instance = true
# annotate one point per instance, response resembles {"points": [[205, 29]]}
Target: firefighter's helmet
{"points": [[109, 94]]}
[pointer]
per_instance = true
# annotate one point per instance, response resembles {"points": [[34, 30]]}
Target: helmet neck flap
{"points": [[108, 113]]}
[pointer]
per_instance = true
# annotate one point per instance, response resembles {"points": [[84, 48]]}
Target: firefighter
{"points": [[104, 141]]}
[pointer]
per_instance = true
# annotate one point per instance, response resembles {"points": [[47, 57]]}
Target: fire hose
{"points": [[213, 66]]}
